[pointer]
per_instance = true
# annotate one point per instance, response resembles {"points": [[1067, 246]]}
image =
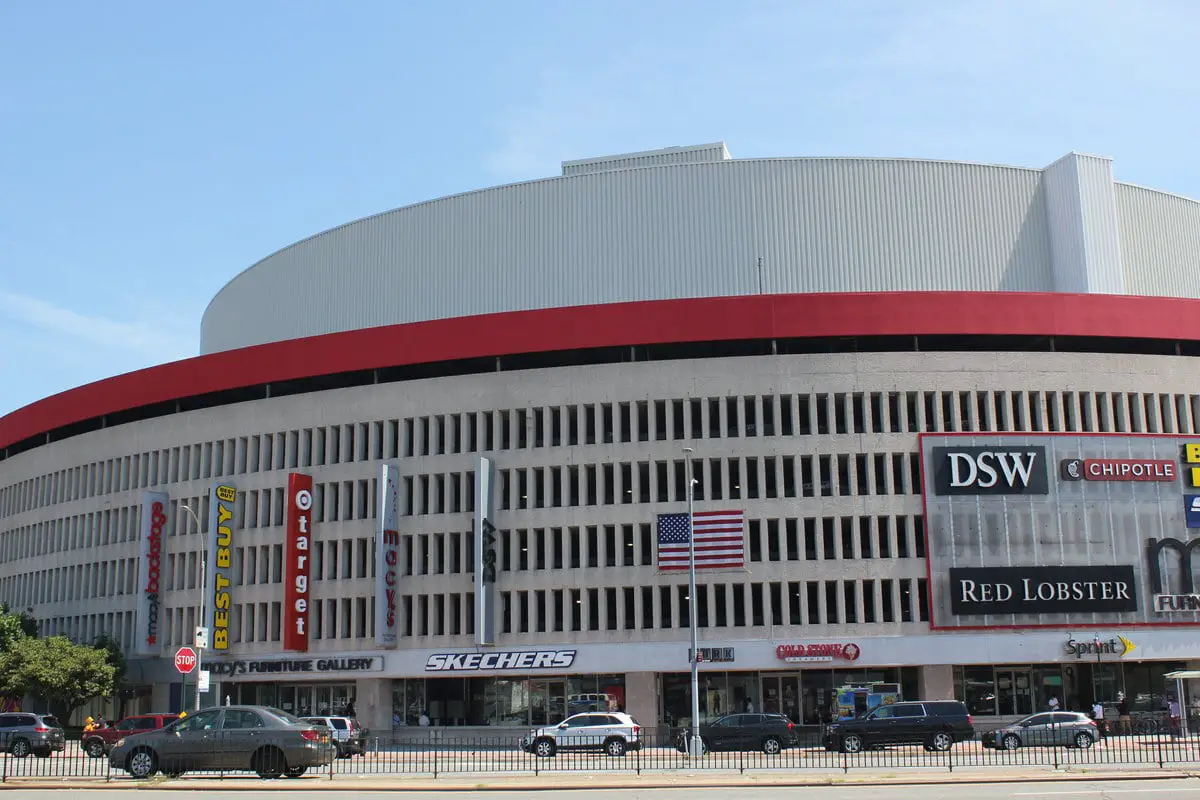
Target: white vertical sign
{"points": [[485, 573], [149, 598], [387, 558]]}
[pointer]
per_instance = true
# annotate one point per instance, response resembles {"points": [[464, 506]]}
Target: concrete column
{"points": [[937, 683], [373, 705], [641, 697]]}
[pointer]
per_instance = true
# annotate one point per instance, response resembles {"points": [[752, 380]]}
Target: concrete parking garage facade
{"points": [[809, 327]]}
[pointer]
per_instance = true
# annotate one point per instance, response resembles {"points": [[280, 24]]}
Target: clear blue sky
{"points": [[149, 151]]}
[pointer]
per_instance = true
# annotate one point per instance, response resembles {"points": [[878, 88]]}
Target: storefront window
{"points": [[503, 702], [977, 688], [807, 697]]}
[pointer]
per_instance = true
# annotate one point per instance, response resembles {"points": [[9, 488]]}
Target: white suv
{"points": [[612, 732]]}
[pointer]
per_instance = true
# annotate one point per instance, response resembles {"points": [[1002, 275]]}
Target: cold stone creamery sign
{"points": [[990, 470], [295, 665], [477, 662], [1041, 590]]}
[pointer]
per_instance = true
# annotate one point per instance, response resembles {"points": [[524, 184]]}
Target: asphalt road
{"points": [[1170, 789]]}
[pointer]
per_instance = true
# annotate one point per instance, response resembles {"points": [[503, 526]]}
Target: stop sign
{"points": [[185, 660]]}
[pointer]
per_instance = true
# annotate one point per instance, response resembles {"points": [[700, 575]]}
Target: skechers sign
{"points": [[487, 662], [990, 470], [1041, 590]]}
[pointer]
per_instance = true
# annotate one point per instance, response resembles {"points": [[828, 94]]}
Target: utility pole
{"points": [[695, 746]]}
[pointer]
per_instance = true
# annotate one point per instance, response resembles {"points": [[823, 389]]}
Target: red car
{"points": [[97, 743]]}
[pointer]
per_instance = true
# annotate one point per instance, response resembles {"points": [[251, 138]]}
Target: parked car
{"points": [[22, 733], [1048, 729], [96, 743], [255, 738], [346, 734], [770, 733], [614, 733], [937, 724]]}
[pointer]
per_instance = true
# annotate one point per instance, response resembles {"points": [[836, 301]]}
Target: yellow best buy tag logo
{"points": [[1191, 454]]}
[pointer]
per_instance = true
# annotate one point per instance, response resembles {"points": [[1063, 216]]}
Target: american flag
{"points": [[720, 540]]}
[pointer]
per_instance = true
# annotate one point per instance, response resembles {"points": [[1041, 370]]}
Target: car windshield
{"points": [[51, 722]]}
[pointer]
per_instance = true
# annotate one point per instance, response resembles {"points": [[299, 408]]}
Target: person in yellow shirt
{"points": [[89, 725]]}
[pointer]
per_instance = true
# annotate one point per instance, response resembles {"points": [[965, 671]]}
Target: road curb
{"points": [[324, 784]]}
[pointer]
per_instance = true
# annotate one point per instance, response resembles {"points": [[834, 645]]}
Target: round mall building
{"points": [[942, 422]]}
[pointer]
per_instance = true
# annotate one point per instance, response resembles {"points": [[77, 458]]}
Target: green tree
{"points": [[116, 659], [57, 671], [14, 626]]}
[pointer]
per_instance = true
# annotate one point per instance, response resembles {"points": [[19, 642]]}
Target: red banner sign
{"points": [[296, 562], [1119, 469]]}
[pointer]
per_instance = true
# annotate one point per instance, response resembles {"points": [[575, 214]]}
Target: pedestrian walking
{"points": [[1124, 721]]}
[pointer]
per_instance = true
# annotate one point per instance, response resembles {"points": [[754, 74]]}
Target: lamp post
{"points": [[203, 591], [1096, 680], [694, 744]]}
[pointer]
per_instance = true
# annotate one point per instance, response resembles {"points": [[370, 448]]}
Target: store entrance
{"points": [[546, 702], [781, 695]]}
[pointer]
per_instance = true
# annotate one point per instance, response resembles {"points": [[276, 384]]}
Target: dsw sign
{"points": [[990, 470]]}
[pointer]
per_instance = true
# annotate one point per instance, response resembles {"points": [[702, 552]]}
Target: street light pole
{"points": [[203, 590], [695, 746]]}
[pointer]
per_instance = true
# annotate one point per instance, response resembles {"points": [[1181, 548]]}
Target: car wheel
{"points": [[544, 748], [296, 772], [615, 747], [772, 746], [94, 748], [19, 748], [1083, 740], [852, 743], [142, 764], [269, 763], [941, 741], [1011, 742]]}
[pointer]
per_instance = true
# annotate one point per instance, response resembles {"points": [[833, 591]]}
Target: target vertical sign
{"points": [[296, 559]]}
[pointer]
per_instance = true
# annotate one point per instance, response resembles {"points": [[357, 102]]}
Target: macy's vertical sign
{"points": [[990, 470], [387, 557], [149, 604], [296, 559], [220, 561]]}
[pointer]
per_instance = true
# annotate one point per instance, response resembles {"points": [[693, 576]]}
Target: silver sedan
{"points": [[254, 738]]}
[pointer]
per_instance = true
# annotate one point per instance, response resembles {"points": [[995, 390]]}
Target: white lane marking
{"points": [[1178, 789]]}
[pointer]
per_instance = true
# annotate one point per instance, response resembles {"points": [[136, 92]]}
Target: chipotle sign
{"points": [[296, 559]]}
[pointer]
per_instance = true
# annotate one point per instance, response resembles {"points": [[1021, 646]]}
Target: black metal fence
{"points": [[654, 751]]}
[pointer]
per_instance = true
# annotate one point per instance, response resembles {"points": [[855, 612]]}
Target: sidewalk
{"points": [[548, 782]]}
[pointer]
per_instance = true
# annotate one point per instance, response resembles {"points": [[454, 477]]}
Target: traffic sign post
{"points": [[185, 660]]}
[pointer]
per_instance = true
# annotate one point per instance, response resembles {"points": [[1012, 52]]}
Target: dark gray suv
{"points": [[936, 724], [22, 733]]}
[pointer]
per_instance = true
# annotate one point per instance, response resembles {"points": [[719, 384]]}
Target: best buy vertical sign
{"points": [[222, 503], [1191, 455]]}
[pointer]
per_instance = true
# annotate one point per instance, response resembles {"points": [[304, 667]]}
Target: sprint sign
{"points": [[296, 561]]}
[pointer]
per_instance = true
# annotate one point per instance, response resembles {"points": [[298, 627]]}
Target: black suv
{"points": [[937, 724], [770, 733]]}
